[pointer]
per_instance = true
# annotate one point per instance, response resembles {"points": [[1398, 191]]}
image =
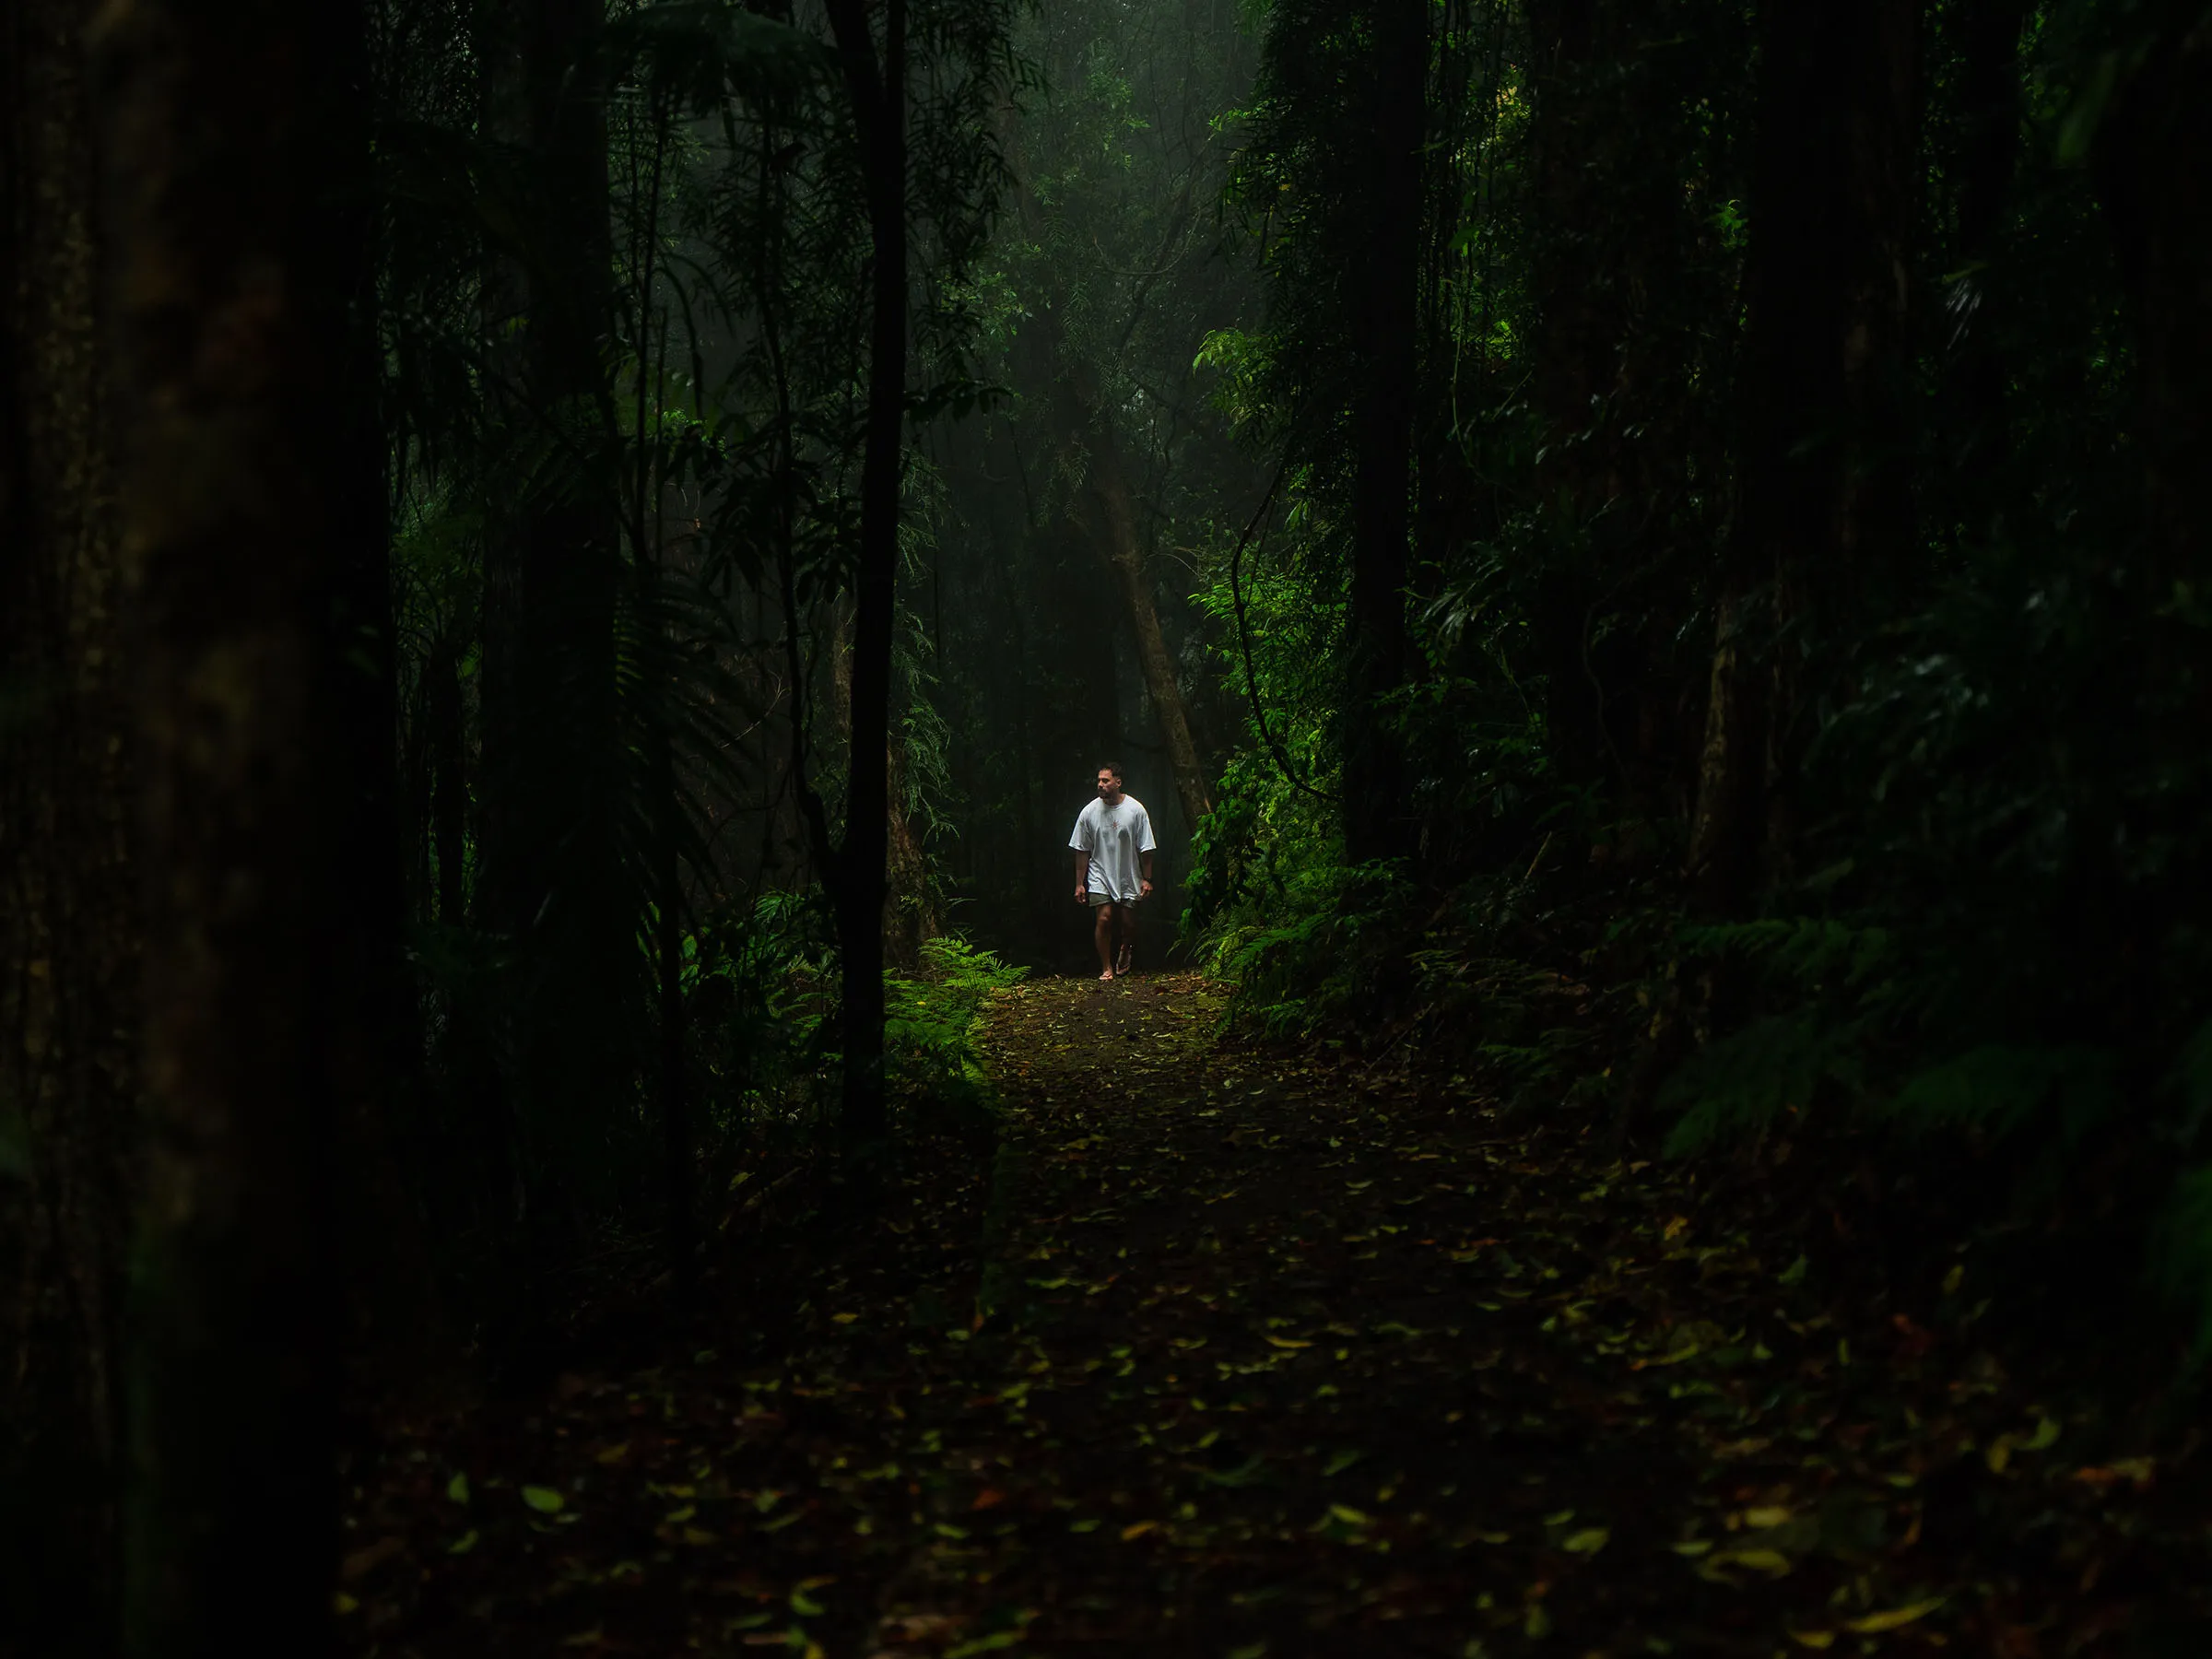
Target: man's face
{"points": [[1109, 784]]}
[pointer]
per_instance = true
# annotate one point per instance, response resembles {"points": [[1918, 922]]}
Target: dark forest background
{"points": [[566, 566]]}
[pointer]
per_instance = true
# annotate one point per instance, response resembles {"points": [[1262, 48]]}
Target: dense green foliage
{"points": [[626, 580], [566, 564], [1797, 652], [1972, 923]]}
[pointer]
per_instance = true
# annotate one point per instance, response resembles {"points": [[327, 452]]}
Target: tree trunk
{"points": [[1989, 94], [1602, 228], [1126, 556], [1377, 822], [2153, 159], [68, 920], [1569, 137], [878, 96], [235, 150], [911, 916], [447, 742], [678, 1150], [1823, 521], [553, 757]]}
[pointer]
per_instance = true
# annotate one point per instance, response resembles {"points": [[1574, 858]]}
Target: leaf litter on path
{"points": [[1184, 1368]]}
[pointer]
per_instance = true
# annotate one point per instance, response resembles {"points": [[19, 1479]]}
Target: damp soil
{"points": [[1229, 1348]]}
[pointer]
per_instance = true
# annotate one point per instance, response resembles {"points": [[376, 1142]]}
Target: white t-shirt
{"points": [[1114, 837]]}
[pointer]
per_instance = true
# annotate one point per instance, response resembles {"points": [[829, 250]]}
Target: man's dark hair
{"points": [[1112, 766]]}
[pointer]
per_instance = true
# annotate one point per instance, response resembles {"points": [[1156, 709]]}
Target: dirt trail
{"points": [[1232, 1352]]}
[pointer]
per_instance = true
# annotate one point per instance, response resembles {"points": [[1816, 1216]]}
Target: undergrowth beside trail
{"points": [[1801, 1059], [1240, 1346]]}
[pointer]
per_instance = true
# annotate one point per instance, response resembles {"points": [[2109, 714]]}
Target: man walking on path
{"points": [[1113, 844]]}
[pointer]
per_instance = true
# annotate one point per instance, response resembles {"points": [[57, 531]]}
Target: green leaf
{"points": [[457, 1489], [544, 1499]]}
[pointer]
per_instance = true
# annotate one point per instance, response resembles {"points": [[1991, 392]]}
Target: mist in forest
{"points": [[572, 1077]]}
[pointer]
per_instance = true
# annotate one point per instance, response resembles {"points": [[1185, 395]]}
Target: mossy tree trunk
{"points": [[68, 911], [2153, 156], [235, 151], [1384, 291], [1823, 521], [553, 763], [876, 88]]}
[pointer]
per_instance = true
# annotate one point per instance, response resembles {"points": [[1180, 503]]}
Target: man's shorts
{"points": [[1106, 898]]}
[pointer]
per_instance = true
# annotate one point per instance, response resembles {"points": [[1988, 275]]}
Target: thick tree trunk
{"points": [[1601, 229], [553, 757], [1989, 94], [235, 148], [2153, 159], [1126, 556], [69, 915], [878, 98], [1384, 290], [1823, 521], [1570, 135]]}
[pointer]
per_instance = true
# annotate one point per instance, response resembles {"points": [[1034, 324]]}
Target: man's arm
{"points": [[1148, 863], [1083, 875]]}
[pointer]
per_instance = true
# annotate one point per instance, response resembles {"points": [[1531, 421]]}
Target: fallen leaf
{"points": [[544, 1499], [1873, 1624], [365, 1561], [2135, 1470]]}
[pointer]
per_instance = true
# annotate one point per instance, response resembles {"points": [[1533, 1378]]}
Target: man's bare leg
{"points": [[1125, 959], [1102, 935]]}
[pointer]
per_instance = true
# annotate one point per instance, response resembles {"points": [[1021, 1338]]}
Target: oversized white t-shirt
{"points": [[1114, 836]]}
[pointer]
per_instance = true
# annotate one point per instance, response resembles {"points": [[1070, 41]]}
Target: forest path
{"points": [[1242, 1351]]}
